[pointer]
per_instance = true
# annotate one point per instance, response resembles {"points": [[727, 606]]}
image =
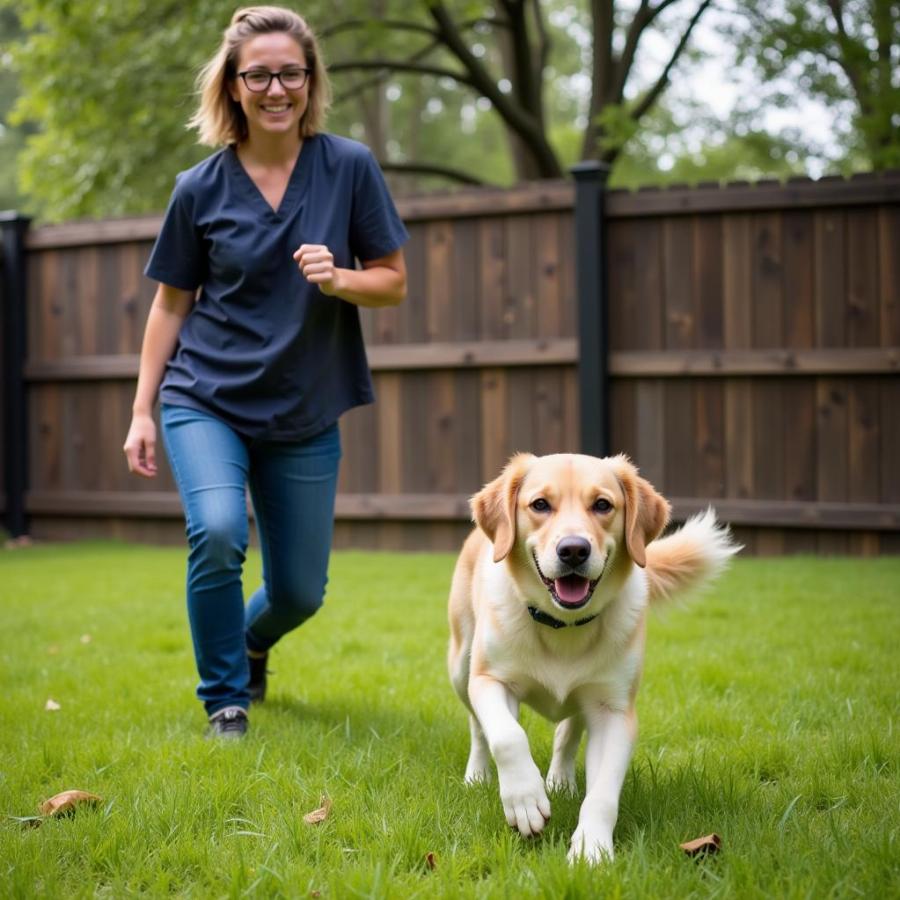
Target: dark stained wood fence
{"points": [[754, 352]]}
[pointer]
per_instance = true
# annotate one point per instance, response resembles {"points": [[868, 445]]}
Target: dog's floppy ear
{"points": [[646, 511], [494, 506]]}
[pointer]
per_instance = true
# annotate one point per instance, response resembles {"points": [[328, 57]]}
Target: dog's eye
{"points": [[602, 505], [540, 505]]}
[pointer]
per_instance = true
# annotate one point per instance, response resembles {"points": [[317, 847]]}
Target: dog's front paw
{"points": [[524, 799], [591, 846]]}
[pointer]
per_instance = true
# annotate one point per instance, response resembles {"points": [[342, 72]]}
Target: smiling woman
{"points": [[253, 342]]}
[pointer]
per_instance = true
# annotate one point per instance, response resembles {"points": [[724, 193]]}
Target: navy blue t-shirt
{"points": [[262, 348]]}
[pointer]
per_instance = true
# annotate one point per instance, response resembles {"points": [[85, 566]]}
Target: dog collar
{"points": [[545, 619]]}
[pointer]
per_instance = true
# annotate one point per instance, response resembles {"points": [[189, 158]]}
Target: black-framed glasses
{"points": [[258, 80]]}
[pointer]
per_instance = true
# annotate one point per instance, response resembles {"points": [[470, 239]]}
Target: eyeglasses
{"points": [[258, 80]]}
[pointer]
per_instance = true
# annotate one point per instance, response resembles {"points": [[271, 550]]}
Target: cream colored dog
{"points": [[548, 607]]}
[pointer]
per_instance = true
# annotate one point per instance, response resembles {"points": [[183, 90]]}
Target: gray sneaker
{"points": [[229, 723]]}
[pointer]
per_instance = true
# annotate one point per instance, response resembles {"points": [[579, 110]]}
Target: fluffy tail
{"points": [[690, 557]]}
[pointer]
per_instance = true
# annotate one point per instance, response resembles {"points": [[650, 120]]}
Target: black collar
{"points": [[540, 616]]}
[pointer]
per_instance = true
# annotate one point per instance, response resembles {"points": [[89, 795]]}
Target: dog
{"points": [[548, 607]]}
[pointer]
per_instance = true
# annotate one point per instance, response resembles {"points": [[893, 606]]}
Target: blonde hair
{"points": [[219, 119]]}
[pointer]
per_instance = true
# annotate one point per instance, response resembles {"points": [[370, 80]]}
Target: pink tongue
{"points": [[571, 589]]}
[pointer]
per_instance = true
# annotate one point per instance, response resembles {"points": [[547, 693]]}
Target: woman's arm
{"points": [[170, 306], [380, 282]]}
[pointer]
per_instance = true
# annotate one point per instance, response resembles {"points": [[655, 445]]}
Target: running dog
{"points": [[548, 607]]}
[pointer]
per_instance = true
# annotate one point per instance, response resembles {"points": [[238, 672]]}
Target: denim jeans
{"points": [[292, 487]]}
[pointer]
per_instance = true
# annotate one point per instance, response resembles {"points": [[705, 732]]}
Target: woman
{"points": [[253, 343]]}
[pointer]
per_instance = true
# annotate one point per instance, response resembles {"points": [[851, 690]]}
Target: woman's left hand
{"points": [[316, 264]]}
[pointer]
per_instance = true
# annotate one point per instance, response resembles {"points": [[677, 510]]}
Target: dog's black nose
{"points": [[573, 551]]}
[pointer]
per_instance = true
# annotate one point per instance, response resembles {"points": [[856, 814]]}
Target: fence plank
{"points": [[831, 279], [708, 285], [832, 448], [799, 299], [678, 281], [889, 274], [863, 307], [737, 281], [768, 290]]}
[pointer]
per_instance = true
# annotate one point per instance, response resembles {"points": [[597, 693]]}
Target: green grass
{"points": [[769, 714]]}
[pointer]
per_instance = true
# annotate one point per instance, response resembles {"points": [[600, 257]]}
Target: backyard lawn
{"points": [[770, 714]]}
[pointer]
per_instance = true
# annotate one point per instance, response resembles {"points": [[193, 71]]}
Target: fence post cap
{"points": [[13, 216], [590, 170]]}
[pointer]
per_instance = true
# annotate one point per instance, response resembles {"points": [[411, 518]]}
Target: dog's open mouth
{"points": [[571, 591]]}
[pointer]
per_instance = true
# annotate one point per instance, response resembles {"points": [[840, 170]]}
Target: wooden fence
{"points": [[749, 346]]}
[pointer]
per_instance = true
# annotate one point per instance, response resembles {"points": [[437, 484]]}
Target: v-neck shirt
{"points": [[262, 348]]}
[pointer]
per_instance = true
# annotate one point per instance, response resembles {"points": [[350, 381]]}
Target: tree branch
{"points": [[517, 118], [402, 25], [642, 18], [432, 169], [844, 42], [388, 24], [362, 86], [651, 96], [399, 66]]}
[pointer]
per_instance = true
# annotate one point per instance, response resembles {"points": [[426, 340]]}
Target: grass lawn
{"points": [[770, 714]]}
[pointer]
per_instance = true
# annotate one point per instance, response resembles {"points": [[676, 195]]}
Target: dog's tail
{"points": [[688, 558]]}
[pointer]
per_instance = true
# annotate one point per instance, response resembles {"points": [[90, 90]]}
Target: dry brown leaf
{"points": [[51, 705], [710, 843], [65, 802], [320, 814], [85, 639], [429, 861]]}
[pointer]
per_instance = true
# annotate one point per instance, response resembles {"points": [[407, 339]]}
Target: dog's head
{"points": [[569, 519]]}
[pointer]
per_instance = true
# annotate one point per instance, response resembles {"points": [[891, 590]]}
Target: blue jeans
{"points": [[292, 486]]}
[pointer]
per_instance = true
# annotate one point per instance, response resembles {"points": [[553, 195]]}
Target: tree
{"points": [[838, 51], [110, 86], [511, 73]]}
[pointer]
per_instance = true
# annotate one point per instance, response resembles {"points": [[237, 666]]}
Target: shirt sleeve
{"points": [[179, 257], [376, 228]]}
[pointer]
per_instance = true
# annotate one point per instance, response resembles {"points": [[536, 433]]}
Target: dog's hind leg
{"points": [[566, 738], [478, 768]]}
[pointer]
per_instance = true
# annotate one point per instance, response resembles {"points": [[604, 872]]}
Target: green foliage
{"points": [[843, 54], [105, 89], [110, 85], [768, 714], [692, 145], [12, 138]]}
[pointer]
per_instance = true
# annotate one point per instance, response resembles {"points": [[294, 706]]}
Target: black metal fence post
{"points": [[591, 284], [13, 228]]}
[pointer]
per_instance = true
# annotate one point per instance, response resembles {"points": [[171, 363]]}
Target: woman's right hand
{"points": [[140, 446]]}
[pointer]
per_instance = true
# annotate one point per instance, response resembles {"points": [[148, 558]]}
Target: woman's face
{"points": [[276, 109]]}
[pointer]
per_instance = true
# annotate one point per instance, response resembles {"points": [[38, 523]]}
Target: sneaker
{"points": [[258, 673], [229, 723]]}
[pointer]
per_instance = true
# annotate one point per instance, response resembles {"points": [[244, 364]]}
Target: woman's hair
{"points": [[220, 119]]}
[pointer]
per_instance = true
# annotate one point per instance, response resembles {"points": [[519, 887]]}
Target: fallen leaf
{"points": [[51, 705], [429, 861], [85, 639], [65, 802], [710, 843], [320, 814], [29, 821]]}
